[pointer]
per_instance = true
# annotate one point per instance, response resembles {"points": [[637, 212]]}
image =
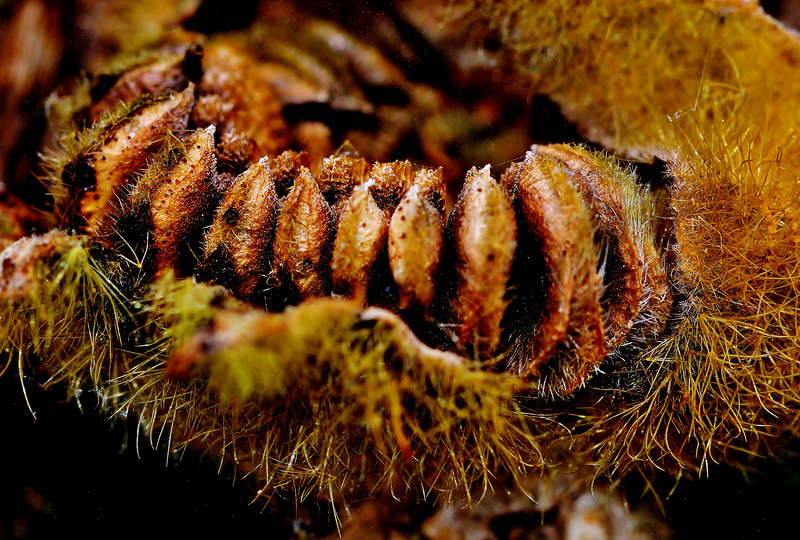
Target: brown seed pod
{"points": [[636, 292], [302, 239], [416, 235], [235, 96], [169, 71], [483, 230], [238, 247], [120, 148], [175, 198], [338, 175], [286, 168], [565, 340], [360, 238], [391, 182]]}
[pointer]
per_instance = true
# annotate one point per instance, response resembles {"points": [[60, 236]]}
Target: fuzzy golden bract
{"points": [[58, 303], [724, 378], [653, 64], [417, 417], [722, 122]]}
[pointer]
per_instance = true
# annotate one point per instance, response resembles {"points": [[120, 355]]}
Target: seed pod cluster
{"points": [[542, 273]]}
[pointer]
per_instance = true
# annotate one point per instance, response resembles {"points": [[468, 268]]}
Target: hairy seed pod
{"points": [[162, 73], [360, 238], [338, 175], [416, 234], [392, 180], [484, 232], [122, 148], [634, 281], [566, 340], [302, 239], [286, 168], [177, 196], [238, 247]]}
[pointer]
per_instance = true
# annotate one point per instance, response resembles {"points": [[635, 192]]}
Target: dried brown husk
{"points": [[360, 239], [165, 212], [415, 243], [106, 156], [636, 299], [562, 344], [236, 97]]}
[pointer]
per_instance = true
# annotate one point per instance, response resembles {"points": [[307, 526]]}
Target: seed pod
{"points": [[360, 237], [484, 230], [302, 240], [431, 187], [566, 340], [391, 182], [634, 281], [286, 168], [123, 148], [163, 72], [238, 247], [416, 234], [338, 176], [175, 199]]}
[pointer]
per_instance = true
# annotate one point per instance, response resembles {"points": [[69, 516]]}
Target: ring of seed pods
{"points": [[543, 273]]}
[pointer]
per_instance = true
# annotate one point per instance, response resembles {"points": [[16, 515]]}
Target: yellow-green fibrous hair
{"points": [[59, 304], [322, 398], [329, 397]]}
